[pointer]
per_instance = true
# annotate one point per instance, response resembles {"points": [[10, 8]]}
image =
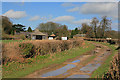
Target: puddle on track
{"points": [[59, 71], [90, 68], [76, 61]]}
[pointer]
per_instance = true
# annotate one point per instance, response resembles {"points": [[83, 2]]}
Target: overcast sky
{"points": [[72, 14]]}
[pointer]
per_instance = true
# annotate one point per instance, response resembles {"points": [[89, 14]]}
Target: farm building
{"points": [[27, 34], [64, 38], [79, 36], [38, 35], [51, 36]]}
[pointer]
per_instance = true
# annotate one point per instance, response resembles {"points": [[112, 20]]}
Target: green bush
{"points": [[27, 49]]}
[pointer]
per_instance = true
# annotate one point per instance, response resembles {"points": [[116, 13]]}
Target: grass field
{"points": [[15, 69], [104, 67], [9, 41]]}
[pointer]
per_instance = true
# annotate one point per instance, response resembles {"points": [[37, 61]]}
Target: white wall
{"points": [[50, 38], [63, 38]]}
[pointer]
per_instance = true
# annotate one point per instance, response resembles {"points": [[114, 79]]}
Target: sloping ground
{"points": [[77, 68]]}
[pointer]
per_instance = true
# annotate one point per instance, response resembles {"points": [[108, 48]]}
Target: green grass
{"points": [[104, 67], [16, 70], [9, 41]]}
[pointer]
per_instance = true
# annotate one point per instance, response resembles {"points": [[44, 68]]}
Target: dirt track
{"points": [[75, 68]]}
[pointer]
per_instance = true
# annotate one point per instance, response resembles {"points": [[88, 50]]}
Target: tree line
{"points": [[96, 28], [9, 28]]}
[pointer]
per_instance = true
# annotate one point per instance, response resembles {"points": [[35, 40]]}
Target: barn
{"points": [[37, 35]]}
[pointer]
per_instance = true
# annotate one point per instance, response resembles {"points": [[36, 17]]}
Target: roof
{"points": [[79, 35], [52, 35], [26, 33], [37, 32]]}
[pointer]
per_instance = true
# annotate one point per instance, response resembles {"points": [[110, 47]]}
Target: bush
{"points": [[113, 73], [21, 50], [28, 49]]}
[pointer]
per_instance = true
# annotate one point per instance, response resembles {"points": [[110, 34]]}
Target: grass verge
{"points": [[17, 70], [104, 67]]}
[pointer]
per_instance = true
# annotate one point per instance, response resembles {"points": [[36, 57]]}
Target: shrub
{"points": [[21, 50], [113, 73], [27, 49]]}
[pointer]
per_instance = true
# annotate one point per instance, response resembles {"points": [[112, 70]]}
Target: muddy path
{"points": [[76, 67]]}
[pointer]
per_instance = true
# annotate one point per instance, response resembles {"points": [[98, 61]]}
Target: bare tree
{"points": [[94, 24], [105, 24]]}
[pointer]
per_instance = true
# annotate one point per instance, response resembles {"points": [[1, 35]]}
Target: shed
{"points": [[79, 36], [64, 38], [52, 36], [38, 35]]}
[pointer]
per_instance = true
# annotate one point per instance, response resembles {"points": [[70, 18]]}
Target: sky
{"points": [[72, 14]]}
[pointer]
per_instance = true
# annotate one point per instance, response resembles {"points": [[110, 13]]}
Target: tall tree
{"points": [[29, 29], [99, 32], [76, 30], [48, 27], [94, 23], [65, 31], [18, 27], [84, 28], [6, 25], [105, 25], [90, 33]]}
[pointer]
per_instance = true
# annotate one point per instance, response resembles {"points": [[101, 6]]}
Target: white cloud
{"points": [[67, 4], [71, 20], [64, 19], [74, 9], [79, 22], [34, 18], [15, 14], [102, 9], [98, 8]]}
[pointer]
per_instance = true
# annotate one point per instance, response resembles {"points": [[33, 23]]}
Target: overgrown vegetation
{"points": [[113, 73], [16, 69], [21, 50], [28, 49]]}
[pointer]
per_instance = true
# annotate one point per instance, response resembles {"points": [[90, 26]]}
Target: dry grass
{"points": [[113, 73], [13, 51]]}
